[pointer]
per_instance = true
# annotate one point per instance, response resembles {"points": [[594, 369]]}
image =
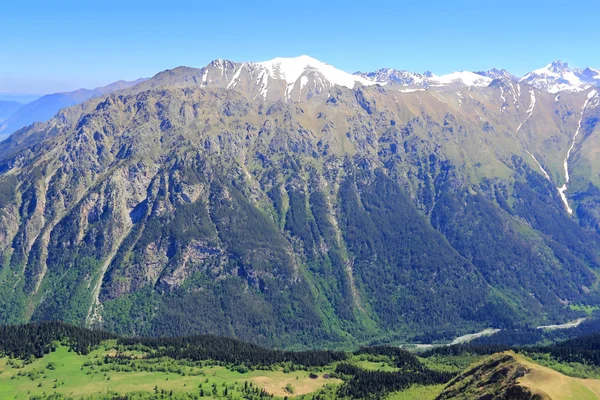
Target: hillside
{"points": [[512, 376], [284, 207]]}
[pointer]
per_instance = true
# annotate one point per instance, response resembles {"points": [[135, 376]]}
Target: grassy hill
{"points": [[509, 375]]}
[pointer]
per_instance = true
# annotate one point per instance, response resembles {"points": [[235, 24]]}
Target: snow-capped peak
{"points": [[557, 76], [496, 73], [290, 69], [391, 75], [463, 77], [427, 79]]}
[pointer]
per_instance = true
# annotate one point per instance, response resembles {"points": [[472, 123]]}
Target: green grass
{"points": [[65, 373], [589, 310], [451, 363], [376, 366], [417, 392], [573, 369]]}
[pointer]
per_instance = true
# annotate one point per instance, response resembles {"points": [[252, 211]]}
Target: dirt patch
{"points": [[304, 385]]}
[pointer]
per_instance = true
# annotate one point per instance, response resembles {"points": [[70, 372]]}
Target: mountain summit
{"points": [[558, 76]]}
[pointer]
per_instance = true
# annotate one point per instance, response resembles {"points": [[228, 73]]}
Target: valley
{"points": [[61, 362], [299, 200]]}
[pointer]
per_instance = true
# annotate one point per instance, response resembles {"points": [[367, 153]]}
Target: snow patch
{"points": [[236, 76], [465, 77], [540, 165], [530, 109], [563, 188], [290, 69]]}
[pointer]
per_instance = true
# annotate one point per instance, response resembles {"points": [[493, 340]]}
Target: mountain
{"points": [[463, 78], [295, 79], [47, 106], [496, 73], [553, 78], [19, 98], [557, 76], [292, 204], [8, 108], [394, 76], [415, 80]]}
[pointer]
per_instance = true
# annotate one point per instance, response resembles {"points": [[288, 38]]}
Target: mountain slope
{"points": [[217, 200], [47, 106]]}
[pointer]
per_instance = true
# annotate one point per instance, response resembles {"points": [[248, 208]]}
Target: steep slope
{"points": [[193, 202], [47, 106]]}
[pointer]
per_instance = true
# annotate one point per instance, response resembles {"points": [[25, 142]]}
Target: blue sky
{"points": [[62, 45]]}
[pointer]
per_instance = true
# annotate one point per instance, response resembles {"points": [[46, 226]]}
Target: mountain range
{"points": [[46, 107], [290, 203], [553, 78]]}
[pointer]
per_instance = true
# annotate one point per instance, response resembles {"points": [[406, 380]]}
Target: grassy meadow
{"points": [[72, 375]]}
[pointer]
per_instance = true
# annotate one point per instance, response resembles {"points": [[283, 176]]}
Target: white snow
{"points": [[480, 117], [540, 165], [234, 80], [437, 98], [463, 77], [264, 86], [290, 69], [530, 109], [303, 81], [553, 82], [412, 90], [503, 98], [563, 188], [513, 93]]}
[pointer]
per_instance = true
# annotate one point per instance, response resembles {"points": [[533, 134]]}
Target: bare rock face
{"points": [[283, 213]]}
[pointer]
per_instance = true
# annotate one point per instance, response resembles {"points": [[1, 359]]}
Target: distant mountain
{"points": [[19, 98], [8, 108], [553, 78], [416, 80], [464, 78], [390, 75], [47, 106], [496, 73], [557, 76]]}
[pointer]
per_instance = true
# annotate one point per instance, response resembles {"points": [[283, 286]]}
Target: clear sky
{"points": [[58, 45]]}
